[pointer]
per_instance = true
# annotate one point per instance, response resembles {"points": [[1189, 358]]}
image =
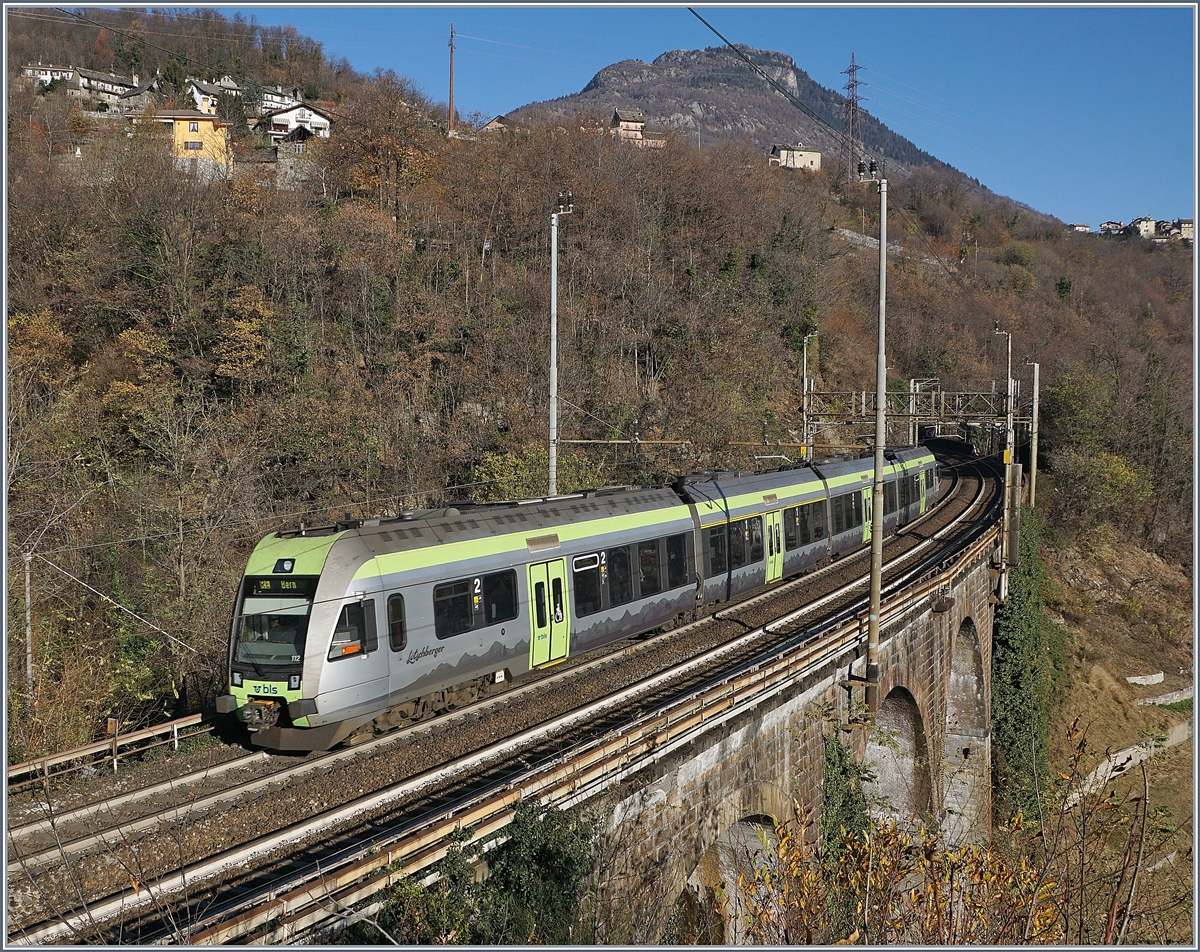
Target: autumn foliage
{"points": [[903, 887], [194, 364]]}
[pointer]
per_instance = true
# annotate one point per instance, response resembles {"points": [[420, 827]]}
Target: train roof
{"points": [[466, 522]]}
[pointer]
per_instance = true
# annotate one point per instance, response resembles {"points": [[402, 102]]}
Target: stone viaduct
{"points": [[673, 827]]}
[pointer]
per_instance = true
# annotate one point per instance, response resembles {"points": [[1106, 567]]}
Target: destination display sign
{"points": [[271, 585]]}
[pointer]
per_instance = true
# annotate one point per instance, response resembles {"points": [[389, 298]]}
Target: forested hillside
{"points": [[192, 365]]}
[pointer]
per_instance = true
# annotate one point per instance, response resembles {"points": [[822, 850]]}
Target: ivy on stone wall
{"points": [[843, 820], [1021, 681], [531, 894]]}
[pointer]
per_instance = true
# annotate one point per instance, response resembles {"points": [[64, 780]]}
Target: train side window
{"points": [[754, 530], [397, 633], [539, 600], [791, 528], [737, 543], [889, 497], [838, 507], [806, 522], [587, 584], [355, 632], [620, 576], [915, 491], [677, 574], [816, 520], [556, 589], [649, 573], [716, 539], [856, 509], [500, 597], [452, 614]]}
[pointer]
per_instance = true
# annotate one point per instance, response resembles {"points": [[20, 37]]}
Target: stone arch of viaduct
{"points": [[671, 827]]}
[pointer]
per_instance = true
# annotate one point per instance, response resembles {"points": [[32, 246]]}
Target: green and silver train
{"points": [[346, 630]]}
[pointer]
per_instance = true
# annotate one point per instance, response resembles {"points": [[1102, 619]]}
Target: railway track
{"points": [[149, 860]]}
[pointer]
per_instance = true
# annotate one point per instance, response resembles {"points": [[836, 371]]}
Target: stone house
{"points": [[795, 157], [629, 125], [1143, 227], [204, 95], [83, 83], [279, 98], [279, 124], [105, 87]]}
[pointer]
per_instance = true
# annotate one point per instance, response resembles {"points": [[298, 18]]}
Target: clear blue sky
{"points": [[1087, 113]]}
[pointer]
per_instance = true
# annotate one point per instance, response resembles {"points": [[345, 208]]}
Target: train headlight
{"points": [[284, 566], [237, 679], [294, 682]]}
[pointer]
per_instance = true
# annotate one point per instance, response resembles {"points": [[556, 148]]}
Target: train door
{"points": [[922, 488], [550, 619], [867, 508], [774, 546]]}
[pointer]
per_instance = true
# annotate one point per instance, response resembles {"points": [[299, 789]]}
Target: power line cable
{"points": [[838, 133], [115, 603]]}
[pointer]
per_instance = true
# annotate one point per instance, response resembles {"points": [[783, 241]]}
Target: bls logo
{"points": [[264, 689]]}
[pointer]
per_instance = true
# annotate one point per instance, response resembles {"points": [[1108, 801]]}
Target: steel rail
{"points": [[99, 806]]}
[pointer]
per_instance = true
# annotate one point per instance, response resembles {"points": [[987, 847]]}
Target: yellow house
{"points": [[200, 139]]}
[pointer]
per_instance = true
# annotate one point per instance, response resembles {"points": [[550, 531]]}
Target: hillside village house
{"points": [[1186, 230], [1084, 228], [294, 123], [45, 75], [1144, 226], [205, 95], [629, 125], [789, 157], [279, 98], [199, 142], [82, 83], [1112, 228]]}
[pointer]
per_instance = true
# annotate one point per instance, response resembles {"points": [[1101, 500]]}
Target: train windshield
{"points": [[271, 628]]}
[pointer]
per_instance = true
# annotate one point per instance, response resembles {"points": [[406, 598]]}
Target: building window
{"points": [[193, 127], [193, 146], [299, 147]]}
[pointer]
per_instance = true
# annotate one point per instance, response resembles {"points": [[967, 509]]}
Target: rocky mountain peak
{"points": [[714, 94]]}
